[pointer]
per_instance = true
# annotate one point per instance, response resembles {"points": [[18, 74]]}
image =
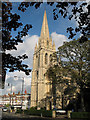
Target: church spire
{"points": [[45, 30]]}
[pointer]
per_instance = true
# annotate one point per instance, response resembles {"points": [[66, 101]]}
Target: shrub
{"points": [[7, 105], [80, 115], [32, 112], [19, 111], [44, 113], [33, 108], [35, 112]]}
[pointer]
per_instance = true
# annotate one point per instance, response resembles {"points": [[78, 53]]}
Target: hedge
{"points": [[80, 115], [32, 112], [44, 113], [47, 113], [19, 111]]}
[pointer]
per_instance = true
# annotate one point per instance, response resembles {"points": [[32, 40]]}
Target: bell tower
{"points": [[41, 60]]}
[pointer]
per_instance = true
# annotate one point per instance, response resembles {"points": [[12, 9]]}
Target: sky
{"points": [[57, 30]]}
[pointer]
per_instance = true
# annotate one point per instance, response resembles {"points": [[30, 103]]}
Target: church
{"points": [[40, 85]]}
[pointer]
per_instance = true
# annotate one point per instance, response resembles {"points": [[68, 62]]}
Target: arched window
{"points": [[46, 58], [37, 74], [36, 56], [39, 60], [44, 75], [50, 57], [36, 62]]}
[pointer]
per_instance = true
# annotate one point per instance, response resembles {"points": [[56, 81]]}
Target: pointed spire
{"points": [[45, 30]]}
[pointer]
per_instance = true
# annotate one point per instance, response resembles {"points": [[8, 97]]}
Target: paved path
{"points": [[13, 116]]}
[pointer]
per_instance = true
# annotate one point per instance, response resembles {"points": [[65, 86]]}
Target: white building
{"points": [[16, 100]]}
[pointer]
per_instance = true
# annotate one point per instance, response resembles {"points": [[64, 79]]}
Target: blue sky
{"points": [[34, 17]]}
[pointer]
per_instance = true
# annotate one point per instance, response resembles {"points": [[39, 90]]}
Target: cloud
{"points": [[17, 82], [27, 47], [58, 39]]}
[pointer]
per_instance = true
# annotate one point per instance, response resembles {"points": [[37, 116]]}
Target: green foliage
{"points": [[80, 115], [33, 111], [19, 111], [10, 23], [77, 63], [71, 69], [76, 55], [33, 108], [7, 105], [46, 113]]}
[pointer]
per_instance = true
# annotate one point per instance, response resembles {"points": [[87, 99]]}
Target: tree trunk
{"points": [[54, 93], [3, 78], [82, 102], [82, 96], [62, 101]]}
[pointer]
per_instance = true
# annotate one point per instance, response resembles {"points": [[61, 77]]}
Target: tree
{"points": [[51, 73], [55, 75], [71, 69], [79, 12], [10, 22], [74, 58]]}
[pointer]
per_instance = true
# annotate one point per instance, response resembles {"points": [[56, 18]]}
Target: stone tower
{"points": [[41, 59]]}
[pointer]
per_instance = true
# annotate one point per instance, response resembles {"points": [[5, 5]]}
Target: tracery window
{"points": [[46, 58], [37, 74], [39, 60]]}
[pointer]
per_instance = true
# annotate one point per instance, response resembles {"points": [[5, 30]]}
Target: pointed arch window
{"points": [[50, 57], [37, 74], [39, 60], [46, 58]]}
